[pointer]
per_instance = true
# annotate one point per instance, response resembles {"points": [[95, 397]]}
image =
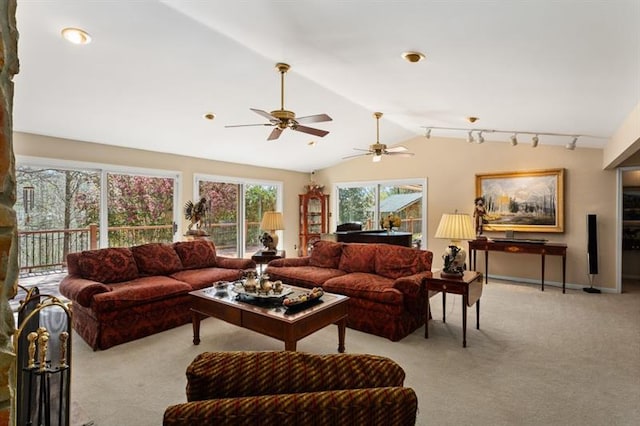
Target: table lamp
{"points": [[456, 227], [271, 221]]}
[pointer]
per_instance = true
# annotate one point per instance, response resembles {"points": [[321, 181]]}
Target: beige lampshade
{"points": [[272, 221], [456, 227]]}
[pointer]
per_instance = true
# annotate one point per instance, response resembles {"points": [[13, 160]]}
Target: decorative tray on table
{"points": [[303, 300], [270, 295]]}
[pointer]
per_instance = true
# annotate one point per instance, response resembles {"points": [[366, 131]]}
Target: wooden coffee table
{"points": [[274, 322]]}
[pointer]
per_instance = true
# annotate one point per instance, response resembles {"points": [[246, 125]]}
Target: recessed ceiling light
{"points": [[413, 56], [472, 119], [312, 143], [76, 35], [209, 116]]}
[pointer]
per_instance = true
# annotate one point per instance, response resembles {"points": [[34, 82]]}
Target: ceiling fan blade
{"points": [[311, 131], [363, 150], [401, 154], [398, 148], [314, 118], [275, 134], [357, 155], [266, 115], [248, 125]]}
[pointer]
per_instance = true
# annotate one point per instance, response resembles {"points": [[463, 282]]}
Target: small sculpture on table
{"points": [[267, 241], [479, 213]]}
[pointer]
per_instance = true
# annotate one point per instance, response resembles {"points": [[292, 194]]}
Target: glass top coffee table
{"points": [[270, 319]]}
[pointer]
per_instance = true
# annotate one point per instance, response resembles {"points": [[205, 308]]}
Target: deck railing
{"points": [[46, 250]]}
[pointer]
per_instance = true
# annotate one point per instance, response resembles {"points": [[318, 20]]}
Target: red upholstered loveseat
{"points": [[123, 294], [385, 283]]}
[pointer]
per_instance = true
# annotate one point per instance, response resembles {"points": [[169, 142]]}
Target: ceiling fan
{"points": [[283, 119], [379, 149]]}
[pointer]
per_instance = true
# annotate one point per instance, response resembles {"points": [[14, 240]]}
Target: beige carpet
{"points": [[540, 358]]}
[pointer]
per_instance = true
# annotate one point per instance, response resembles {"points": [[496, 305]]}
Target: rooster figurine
{"points": [[195, 213]]}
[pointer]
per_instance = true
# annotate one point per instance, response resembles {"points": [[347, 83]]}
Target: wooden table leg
{"points": [[195, 321], [465, 297], [342, 327], [426, 318], [564, 271], [444, 306], [486, 266], [478, 314], [542, 271]]}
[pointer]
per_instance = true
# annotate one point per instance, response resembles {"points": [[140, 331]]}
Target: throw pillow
{"points": [[196, 254], [396, 261], [156, 259], [358, 257], [110, 265], [326, 254]]}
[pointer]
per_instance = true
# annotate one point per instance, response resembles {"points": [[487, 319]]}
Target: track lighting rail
{"points": [[479, 135]]}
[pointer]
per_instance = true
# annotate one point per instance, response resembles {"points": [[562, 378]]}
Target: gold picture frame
{"points": [[530, 201]]}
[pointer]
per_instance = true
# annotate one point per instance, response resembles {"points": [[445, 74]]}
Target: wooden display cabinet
{"points": [[314, 217]]}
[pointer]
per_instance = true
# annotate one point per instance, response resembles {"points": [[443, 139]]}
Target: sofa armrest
{"points": [[81, 290], [234, 263], [291, 261], [216, 374], [374, 406], [412, 285]]}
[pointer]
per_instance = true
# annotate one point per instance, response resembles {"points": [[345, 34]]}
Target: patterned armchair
{"points": [[294, 388]]}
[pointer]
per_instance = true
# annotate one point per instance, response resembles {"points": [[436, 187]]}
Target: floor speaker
{"points": [[592, 250]]}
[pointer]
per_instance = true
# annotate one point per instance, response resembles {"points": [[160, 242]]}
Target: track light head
{"points": [[480, 137], [514, 139], [470, 137], [534, 141], [427, 134], [572, 145]]}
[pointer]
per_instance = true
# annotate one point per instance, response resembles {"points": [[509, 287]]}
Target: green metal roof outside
{"points": [[397, 202]]}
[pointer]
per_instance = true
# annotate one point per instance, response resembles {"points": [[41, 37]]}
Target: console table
{"points": [[518, 247]]}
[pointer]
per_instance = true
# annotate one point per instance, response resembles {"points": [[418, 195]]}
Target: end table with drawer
{"points": [[264, 257], [468, 285]]}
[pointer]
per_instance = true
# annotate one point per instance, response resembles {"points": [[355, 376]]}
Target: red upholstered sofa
{"points": [[385, 283], [123, 294], [293, 388]]}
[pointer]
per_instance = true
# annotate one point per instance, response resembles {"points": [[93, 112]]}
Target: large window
{"points": [[64, 207], [235, 210], [367, 202]]}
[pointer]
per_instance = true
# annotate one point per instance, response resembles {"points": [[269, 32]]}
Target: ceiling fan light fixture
{"points": [[76, 35], [412, 56], [377, 158]]}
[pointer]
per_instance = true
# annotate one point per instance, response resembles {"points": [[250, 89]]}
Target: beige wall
{"points": [[450, 166], [293, 182], [625, 142]]}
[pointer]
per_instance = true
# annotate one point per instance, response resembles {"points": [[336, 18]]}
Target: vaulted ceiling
{"points": [[154, 68]]}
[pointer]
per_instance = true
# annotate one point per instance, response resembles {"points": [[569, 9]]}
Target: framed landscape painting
{"points": [[530, 201]]}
